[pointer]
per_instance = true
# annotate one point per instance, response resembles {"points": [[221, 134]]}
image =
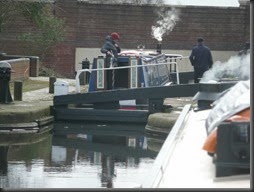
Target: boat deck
{"points": [[182, 163]]}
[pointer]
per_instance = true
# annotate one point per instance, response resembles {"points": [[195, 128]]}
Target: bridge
{"points": [[104, 105]]}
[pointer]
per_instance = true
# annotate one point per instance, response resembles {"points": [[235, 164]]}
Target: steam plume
{"points": [[235, 67], [165, 24]]}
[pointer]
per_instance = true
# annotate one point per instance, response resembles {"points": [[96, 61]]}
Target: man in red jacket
{"points": [[111, 49]]}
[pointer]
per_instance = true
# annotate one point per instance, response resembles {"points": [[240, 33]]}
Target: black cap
{"points": [[200, 39]]}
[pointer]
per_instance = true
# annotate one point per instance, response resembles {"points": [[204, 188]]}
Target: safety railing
{"points": [[124, 67]]}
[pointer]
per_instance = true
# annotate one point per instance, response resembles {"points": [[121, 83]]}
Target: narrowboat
{"points": [[135, 69]]}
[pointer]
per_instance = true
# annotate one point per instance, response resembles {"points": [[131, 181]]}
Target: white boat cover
{"points": [[231, 101]]}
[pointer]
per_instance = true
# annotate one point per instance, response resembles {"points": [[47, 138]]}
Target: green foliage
{"points": [[7, 11], [46, 29], [49, 30], [32, 10], [133, 2]]}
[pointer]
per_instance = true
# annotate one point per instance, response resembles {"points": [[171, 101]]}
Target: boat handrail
{"points": [[162, 160], [124, 67]]}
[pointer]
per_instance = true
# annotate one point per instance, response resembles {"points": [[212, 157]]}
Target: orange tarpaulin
{"points": [[211, 140], [241, 116]]}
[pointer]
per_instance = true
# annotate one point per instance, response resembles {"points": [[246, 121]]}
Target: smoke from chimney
{"points": [[236, 67], [165, 23]]}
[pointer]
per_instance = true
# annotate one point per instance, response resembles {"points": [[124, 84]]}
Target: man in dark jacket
{"points": [[246, 49], [111, 49], [201, 59]]}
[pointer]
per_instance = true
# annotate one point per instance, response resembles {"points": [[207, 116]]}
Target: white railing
{"points": [[124, 67]]}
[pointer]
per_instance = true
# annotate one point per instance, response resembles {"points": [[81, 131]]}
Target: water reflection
{"points": [[19, 160], [79, 156], [3, 159]]}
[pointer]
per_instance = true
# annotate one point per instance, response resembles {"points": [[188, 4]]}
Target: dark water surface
{"points": [[79, 155]]}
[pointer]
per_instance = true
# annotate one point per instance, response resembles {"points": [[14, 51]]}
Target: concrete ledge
{"points": [[20, 138], [24, 112], [32, 126], [161, 123]]}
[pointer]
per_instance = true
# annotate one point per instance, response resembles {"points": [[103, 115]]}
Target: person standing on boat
{"points": [[201, 59], [111, 48]]}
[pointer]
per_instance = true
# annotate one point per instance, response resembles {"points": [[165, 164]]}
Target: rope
{"points": [[113, 71], [113, 79]]}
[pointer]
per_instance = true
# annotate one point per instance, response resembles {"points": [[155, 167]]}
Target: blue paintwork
{"points": [[148, 76]]}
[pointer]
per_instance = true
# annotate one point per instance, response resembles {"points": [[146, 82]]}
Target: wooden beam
{"points": [[106, 115], [185, 90], [182, 90]]}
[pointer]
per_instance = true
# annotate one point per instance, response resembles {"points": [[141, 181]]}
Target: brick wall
{"points": [[33, 62], [87, 24], [20, 68]]}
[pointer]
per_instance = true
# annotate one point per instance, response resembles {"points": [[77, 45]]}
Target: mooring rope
{"points": [[113, 79], [113, 71]]}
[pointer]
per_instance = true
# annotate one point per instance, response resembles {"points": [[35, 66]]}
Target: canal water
{"points": [[78, 155]]}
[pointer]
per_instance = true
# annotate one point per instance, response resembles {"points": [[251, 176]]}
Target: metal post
{"points": [[113, 71], [52, 80], [5, 76], [113, 79], [18, 86]]}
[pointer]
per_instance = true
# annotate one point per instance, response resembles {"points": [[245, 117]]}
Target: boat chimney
{"points": [[159, 47]]}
